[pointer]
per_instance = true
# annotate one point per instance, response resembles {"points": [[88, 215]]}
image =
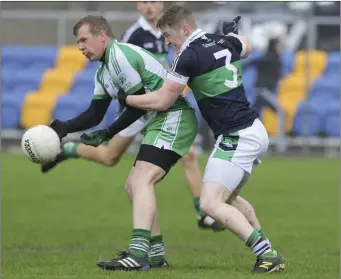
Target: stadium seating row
{"points": [[324, 85], [40, 83]]}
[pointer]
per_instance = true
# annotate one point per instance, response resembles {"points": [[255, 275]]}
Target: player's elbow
{"points": [[164, 104], [248, 47], [248, 50]]}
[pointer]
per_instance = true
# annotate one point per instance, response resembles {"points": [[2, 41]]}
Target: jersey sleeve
{"points": [[183, 65], [99, 92], [127, 72], [238, 44]]}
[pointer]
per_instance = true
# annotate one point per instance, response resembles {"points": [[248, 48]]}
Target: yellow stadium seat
{"points": [[37, 109], [71, 58], [294, 87], [38, 106], [314, 60], [56, 82], [290, 93]]}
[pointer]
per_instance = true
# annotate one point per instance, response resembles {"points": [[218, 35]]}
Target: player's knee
{"points": [[213, 196], [145, 175], [128, 189], [139, 180], [189, 159], [207, 205]]}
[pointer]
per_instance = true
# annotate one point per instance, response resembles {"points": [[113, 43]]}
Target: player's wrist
{"points": [[127, 100], [122, 97], [60, 127]]}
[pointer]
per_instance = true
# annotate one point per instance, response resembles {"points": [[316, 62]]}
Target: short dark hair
{"points": [[96, 24], [174, 16]]}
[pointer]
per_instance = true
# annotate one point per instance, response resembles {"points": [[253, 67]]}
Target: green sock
{"points": [[140, 242], [196, 201], [259, 245], [157, 250], [262, 233], [70, 149]]}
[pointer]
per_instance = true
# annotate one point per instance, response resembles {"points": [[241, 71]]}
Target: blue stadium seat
{"points": [[83, 82], [10, 110], [194, 104], [111, 114], [287, 59], [68, 107], [42, 57], [92, 65], [40, 66], [308, 119], [326, 88], [14, 57], [7, 79], [170, 56], [333, 64], [12, 65], [331, 123], [254, 55], [82, 94], [27, 81], [90, 72], [9, 51], [249, 76]]}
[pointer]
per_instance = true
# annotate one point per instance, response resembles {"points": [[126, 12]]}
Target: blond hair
{"points": [[175, 16]]}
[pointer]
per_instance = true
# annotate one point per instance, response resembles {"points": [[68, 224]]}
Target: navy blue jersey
{"points": [[211, 66], [143, 35]]}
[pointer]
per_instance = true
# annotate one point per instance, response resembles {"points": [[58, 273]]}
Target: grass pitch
{"points": [[58, 225]]}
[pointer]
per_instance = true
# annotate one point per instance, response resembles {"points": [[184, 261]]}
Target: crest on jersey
{"points": [[122, 78], [229, 143]]}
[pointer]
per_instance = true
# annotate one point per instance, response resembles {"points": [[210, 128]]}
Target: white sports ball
{"points": [[40, 144]]}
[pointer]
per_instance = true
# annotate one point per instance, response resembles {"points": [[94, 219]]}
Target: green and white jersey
{"points": [[130, 67]]}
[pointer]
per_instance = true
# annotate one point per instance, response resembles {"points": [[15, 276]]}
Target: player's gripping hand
{"points": [[122, 97], [60, 127], [232, 26], [95, 138]]}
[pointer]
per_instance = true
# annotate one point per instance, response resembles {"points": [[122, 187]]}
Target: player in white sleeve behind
{"points": [[109, 154], [210, 65]]}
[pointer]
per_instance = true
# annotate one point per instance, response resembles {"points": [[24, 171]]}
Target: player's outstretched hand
{"points": [[60, 128], [231, 26], [95, 138]]}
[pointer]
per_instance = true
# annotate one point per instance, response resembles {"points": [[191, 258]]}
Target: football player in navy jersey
{"points": [[211, 66]]}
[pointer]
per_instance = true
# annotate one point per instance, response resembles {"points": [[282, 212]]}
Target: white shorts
{"points": [[133, 129], [233, 156]]}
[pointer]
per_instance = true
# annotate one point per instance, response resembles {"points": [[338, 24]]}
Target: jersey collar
{"points": [[196, 34], [145, 25], [106, 53]]}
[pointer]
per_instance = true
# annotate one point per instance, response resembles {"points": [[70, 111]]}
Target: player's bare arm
{"points": [[247, 47], [159, 100]]}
